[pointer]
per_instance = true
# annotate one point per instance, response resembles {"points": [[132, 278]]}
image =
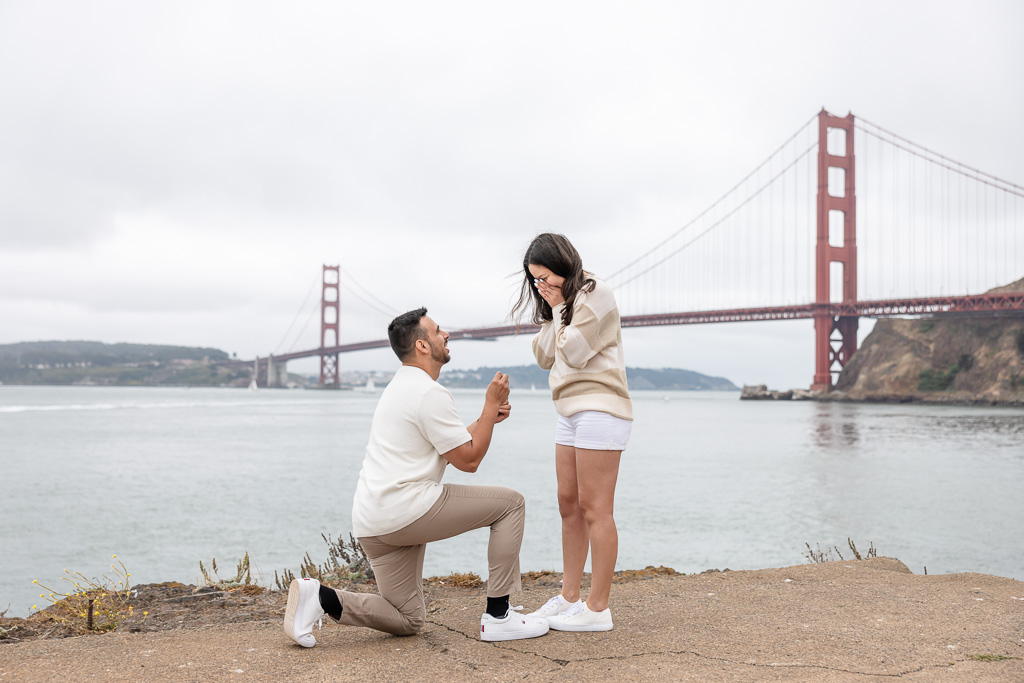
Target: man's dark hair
{"points": [[404, 331]]}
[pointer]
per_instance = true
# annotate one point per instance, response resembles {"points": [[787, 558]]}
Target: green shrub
{"points": [[1020, 342], [927, 325], [933, 379], [937, 380]]}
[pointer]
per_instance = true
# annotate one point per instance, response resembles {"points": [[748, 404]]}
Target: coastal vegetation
{"points": [[241, 580], [91, 605], [933, 379], [346, 563], [817, 555]]}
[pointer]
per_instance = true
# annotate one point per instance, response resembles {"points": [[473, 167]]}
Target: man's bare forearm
{"points": [[482, 429]]}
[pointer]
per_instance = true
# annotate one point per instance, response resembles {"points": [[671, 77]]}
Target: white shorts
{"points": [[594, 431]]}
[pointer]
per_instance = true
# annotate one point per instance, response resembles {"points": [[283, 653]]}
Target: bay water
{"points": [[166, 477]]}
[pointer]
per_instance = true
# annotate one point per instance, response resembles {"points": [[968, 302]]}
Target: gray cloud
{"points": [[160, 159]]}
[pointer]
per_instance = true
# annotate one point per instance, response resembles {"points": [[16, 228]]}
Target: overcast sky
{"points": [[178, 172]]}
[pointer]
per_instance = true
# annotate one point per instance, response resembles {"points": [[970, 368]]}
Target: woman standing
{"points": [[580, 342]]}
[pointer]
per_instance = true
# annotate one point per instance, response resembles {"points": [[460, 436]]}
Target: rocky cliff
{"points": [[945, 359]]}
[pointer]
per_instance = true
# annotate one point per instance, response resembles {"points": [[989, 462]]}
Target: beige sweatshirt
{"points": [[588, 370]]}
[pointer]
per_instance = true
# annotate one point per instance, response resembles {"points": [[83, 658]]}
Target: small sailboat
{"points": [[370, 387], [255, 371], [533, 387]]}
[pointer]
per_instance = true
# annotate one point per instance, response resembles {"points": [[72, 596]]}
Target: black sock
{"points": [[497, 607], [330, 602]]}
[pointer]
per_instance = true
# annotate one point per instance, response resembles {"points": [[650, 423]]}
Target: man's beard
{"points": [[439, 353]]}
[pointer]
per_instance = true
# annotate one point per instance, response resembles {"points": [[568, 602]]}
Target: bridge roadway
{"points": [[980, 304]]}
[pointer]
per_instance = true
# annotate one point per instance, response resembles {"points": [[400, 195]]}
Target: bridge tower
{"points": [[329, 316], [835, 337]]}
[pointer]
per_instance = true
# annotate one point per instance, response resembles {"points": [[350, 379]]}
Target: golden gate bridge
{"points": [[829, 217]]}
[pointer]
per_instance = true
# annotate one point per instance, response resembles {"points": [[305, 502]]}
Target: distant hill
{"points": [[640, 379], [96, 363], [86, 362]]}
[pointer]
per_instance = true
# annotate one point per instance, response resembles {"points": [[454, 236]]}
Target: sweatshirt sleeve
{"points": [[544, 342], [587, 335]]}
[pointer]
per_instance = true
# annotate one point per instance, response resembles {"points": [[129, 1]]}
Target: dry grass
{"points": [[819, 556], [649, 572], [346, 564], [457, 580], [242, 580]]}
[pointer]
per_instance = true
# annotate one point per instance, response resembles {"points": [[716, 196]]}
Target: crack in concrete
{"points": [[444, 650], [561, 663], [500, 644]]}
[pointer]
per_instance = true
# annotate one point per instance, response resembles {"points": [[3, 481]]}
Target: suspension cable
{"points": [[859, 120], [302, 306], [365, 301], [720, 220], [391, 309], [990, 180], [713, 205]]}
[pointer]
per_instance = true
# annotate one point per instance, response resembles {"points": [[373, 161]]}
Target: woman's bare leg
{"points": [[596, 473], [575, 537]]}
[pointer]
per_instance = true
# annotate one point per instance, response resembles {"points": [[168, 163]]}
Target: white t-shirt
{"points": [[414, 423]]}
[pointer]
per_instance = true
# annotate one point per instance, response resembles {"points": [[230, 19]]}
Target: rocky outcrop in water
{"points": [[943, 359]]}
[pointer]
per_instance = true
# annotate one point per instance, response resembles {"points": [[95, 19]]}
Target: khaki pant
{"points": [[397, 558]]}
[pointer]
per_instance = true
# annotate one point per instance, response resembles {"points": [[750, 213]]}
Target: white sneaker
{"points": [[579, 617], [303, 611], [555, 605], [513, 626]]}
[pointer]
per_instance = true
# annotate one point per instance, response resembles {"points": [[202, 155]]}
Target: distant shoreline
{"points": [[81, 363]]}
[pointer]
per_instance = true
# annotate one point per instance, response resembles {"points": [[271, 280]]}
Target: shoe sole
{"points": [[513, 635], [294, 600], [579, 628]]}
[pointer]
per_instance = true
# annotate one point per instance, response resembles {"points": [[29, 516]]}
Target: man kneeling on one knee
{"points": [[400, 504]]}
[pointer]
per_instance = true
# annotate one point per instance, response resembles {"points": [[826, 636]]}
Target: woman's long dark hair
{"points": [[556, 253]]}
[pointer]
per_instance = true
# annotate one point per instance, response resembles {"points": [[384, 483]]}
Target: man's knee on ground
{"points": [[416, 620]]}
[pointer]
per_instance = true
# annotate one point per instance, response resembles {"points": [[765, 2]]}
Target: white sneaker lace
{"points": [[553, 602], [574, 611]]}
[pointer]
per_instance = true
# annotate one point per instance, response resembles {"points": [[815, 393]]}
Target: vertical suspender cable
{"points": [[978, 228], [945, 230], [915, 209], [796, 206], [768, 230], [894, 231], [962, 232]]}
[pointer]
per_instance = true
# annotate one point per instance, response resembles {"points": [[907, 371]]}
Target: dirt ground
{"points": [[836, 621]]}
